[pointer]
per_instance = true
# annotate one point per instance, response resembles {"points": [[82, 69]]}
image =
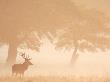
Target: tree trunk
{"points": [[12, 53], [75, 54]]}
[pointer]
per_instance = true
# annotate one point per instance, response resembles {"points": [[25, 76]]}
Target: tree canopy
{"points": [[91, 32], [19, 18]]}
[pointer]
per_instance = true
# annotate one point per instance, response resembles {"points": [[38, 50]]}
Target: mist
{"points": [[54, 40], [57, 62]]}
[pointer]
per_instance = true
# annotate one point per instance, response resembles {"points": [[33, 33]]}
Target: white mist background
{"points": [[51, 62]]}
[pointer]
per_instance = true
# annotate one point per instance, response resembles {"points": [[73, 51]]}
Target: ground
{"points": [[56, 79]]}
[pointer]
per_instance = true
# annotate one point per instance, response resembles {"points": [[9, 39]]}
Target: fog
{"points": [[55, 14], [57, 62]]}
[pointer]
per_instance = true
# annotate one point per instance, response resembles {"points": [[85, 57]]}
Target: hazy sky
{"points": [[102, 5]]}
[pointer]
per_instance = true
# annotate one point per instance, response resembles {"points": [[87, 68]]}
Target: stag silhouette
{"points": [[21, 68]]}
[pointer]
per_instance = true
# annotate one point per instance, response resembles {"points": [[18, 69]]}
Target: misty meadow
{"points": [[54, 41]]}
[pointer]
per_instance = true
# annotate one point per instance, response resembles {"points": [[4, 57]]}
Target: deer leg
{"points": [[21, 75], [12, 75], [16, 74]]}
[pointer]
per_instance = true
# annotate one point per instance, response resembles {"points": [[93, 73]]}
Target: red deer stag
{"points": [[21, 68]]}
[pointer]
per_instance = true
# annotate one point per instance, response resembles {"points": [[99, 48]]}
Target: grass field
{"points": [[56, 79]]}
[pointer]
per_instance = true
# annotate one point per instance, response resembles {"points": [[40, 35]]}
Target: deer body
{"points": [[21, 68]]}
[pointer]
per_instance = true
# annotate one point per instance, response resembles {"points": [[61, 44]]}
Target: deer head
{"points": [[27, 59]]}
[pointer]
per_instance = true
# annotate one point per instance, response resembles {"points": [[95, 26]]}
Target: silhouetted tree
{"points": [[19, 18], [91, 33]]}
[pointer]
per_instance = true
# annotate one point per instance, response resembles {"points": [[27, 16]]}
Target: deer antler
{"points": [[26, 56], [23, 55]]}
